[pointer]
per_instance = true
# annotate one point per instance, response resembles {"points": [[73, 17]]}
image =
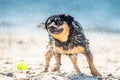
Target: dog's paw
{"points": [[79, 73], [55, 68], [96, 74], [45, 70]]}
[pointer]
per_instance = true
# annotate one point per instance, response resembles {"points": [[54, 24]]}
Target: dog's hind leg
{"points": [[58, 62], [89, 58], [48, 56]]}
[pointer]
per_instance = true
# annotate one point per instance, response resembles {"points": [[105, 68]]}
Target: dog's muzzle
{"points": [[54, 30]]}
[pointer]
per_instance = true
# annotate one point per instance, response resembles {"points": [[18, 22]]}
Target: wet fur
{"points": [[74, 42]]}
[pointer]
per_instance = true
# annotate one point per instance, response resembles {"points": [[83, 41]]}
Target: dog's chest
{"points": [[67, 48]]}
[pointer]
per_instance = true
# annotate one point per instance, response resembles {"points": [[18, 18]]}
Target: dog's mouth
{"points": [[55, 30], [59, 32]]}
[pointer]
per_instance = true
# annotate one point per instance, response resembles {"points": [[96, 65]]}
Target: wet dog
{"points": [[66, 36]]}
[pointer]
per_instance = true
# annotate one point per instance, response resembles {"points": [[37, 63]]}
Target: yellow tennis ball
{"points": [[22, 66]]}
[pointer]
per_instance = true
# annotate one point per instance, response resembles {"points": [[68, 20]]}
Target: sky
{"points": [[101, 13]]}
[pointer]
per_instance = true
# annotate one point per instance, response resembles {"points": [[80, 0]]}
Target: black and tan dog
{"points": [[66, 37]]}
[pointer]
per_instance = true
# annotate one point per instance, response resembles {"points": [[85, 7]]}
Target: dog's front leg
{"points": [[48, 56], [73, 59], [58, 62]]}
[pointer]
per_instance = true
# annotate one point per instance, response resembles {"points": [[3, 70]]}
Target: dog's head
{"points": [[58, 26]]}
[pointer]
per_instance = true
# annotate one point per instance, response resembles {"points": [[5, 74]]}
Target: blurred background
{"points": [[98, 14]]}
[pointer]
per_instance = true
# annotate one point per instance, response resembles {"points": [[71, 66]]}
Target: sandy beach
{"points": [[30, 46]]}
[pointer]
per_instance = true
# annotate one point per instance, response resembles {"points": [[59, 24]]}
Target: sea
{"points": [[99, 15]]}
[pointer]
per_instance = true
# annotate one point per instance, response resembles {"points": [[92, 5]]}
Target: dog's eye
{"points": [[50, 22], [59, 22]]}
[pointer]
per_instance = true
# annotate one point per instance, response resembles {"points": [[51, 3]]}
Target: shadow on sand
{"points": [[87, 77], [84, 77]]}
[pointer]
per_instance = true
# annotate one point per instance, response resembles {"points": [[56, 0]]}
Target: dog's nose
{"points": [[52, 29]]}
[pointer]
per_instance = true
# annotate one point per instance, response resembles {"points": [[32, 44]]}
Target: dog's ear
{"points": [[46, 22], [68, 18]]}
